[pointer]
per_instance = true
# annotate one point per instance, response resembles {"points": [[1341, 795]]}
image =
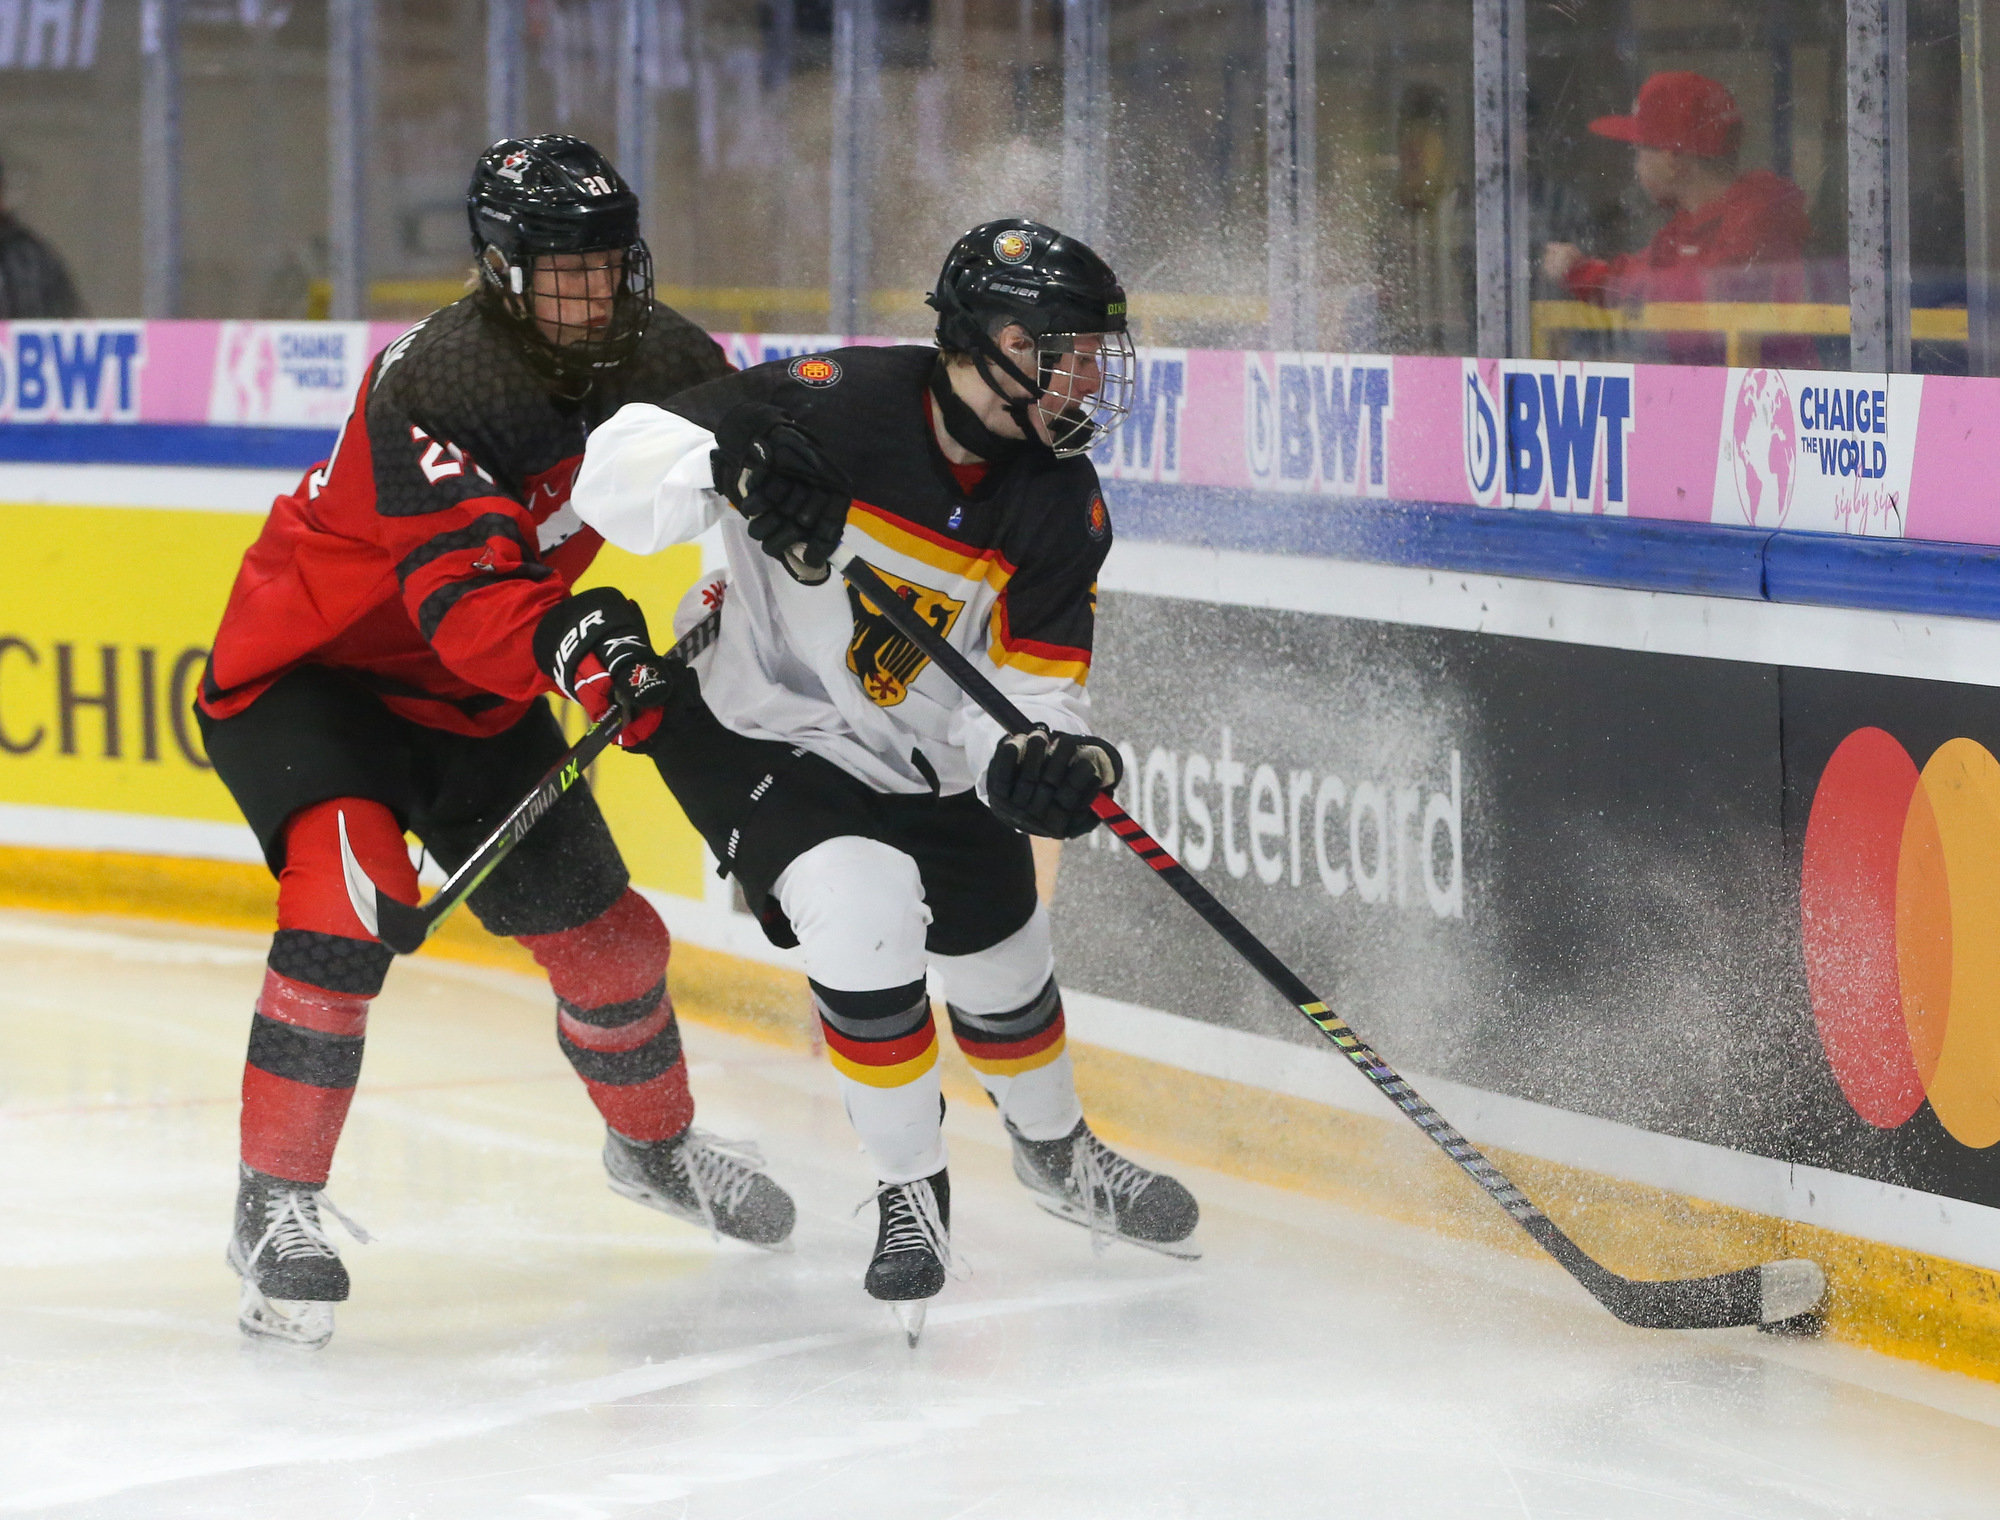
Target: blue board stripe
{"points": [[1638, 554], [165, 443]]}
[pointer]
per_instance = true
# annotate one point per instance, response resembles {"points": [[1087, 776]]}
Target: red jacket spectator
{"points": [[1733, 237], [1759, 222]]}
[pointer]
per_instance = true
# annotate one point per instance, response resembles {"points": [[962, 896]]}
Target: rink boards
{"points": [[1558, 846]]}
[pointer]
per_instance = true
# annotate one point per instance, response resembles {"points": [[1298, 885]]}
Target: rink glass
{"points": [[737, 128]]}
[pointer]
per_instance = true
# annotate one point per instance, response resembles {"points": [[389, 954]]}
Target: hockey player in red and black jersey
{"points": [[383, 660], [868, 809]]}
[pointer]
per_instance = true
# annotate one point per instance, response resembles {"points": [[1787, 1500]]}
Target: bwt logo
{"points": [[71, 371], [1319, 423], [1553, 437], [1148, 444]]}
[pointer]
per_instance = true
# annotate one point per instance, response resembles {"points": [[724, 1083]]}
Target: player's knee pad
{"points": [[857, 906], [1001, 977], [617, 957]]}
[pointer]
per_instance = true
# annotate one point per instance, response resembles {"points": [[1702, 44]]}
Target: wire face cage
{"points": [[583, 312], [1087, 382]]}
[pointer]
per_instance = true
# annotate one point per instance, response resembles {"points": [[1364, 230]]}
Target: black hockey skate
{"points": [[717, 1184], [912, 1248], [292, 1276], [1083, 1180]]}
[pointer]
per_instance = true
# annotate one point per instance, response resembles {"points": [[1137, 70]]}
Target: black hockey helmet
{"points": [[1020, 273], [534, 197]]}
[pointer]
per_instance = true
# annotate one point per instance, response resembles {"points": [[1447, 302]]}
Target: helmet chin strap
{"points": [[986, 354], [963, 423]]}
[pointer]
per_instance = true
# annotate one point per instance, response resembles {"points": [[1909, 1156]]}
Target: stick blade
{"points": [[1767, 1295], [1791, 1290], [396, 924]]}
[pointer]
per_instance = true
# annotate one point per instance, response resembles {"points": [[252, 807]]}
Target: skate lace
{"points": [[719, 1172], [1101, 1177], [914, 1223], [292, 1227]]}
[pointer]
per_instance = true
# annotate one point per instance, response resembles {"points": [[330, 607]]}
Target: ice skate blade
{"points": [[1180, 1250], [641, 1194], [305, 1323], [910, 1316]]}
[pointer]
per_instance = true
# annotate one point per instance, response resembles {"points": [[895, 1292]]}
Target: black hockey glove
{"points": [[595, 647], [1043, 783], [793, 497]]}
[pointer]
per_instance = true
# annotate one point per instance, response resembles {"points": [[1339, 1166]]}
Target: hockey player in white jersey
{"points": [[869, 811]]}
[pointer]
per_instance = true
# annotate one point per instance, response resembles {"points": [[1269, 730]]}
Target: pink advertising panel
{"points": [[1824, 451]]}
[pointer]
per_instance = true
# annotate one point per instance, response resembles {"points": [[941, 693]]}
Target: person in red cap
{"points": [[1732, 236]]}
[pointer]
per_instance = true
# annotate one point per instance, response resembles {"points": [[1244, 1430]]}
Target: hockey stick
{"points": [[404, 927], [1770, 1294]]}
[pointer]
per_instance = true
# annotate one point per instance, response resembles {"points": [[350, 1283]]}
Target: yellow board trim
{"points": [[1884, 1298]]}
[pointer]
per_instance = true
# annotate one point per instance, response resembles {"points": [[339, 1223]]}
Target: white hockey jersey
{"points": [[1006, 571]]}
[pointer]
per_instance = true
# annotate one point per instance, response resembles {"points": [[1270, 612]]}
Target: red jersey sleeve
{"points": [[464, 547]]}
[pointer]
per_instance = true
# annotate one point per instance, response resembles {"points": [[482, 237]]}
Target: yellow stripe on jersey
{"points": [[1059, 662], [940, 553]]}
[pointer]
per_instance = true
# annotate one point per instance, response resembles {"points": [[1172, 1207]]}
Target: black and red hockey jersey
{"points": [[1005, 571], [419, 558]]}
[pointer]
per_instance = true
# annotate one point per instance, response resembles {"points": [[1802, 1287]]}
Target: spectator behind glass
{"points": [[34, 282], [1732, 237]]}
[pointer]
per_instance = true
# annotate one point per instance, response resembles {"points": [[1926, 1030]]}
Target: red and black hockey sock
{"points": [[324, 969], [1021, 1057], [883, 1043], [614, 1019]]}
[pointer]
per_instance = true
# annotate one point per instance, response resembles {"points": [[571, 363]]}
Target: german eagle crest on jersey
{"points": [[882, 658]]}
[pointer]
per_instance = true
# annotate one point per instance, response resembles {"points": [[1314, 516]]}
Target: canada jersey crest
{"points": [[883, 660]]}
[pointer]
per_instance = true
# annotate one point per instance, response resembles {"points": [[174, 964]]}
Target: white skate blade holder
{"points": [[284, 1321], [910, 1315], [1179, 1250]]}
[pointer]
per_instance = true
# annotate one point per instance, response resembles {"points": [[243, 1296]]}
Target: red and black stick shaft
{"points": [[1774, 1292]]}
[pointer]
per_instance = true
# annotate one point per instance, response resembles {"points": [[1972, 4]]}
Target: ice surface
{"points": [[522, 1343]]}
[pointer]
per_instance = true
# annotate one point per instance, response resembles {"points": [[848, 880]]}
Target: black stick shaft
{"points": [[404, 927], [974, 683], [564, 774]]}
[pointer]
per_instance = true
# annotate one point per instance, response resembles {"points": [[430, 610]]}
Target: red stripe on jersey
{"points": [[1004, 635], [932, 536]]}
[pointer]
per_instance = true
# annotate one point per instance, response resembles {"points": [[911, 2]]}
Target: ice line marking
{"points": [[517, 1409]]}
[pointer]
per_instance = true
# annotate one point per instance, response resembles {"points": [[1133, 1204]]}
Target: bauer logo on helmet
{"points": [[1012, 247]]}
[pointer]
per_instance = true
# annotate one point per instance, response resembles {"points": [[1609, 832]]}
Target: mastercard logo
{"points": [[1899, 900]]}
